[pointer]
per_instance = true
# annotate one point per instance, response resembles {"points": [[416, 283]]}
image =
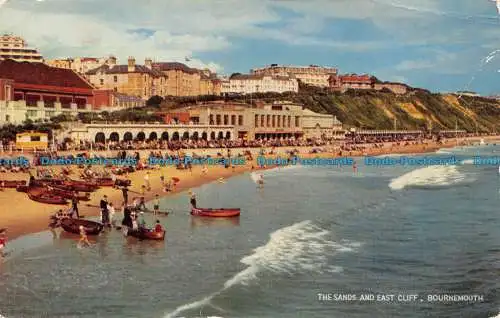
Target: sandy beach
{"points": [[21, 216]]}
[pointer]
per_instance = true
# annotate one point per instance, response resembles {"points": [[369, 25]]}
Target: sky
{"points": [[440, 45]]}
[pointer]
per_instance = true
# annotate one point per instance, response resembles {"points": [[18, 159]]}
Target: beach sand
{"points": [[21, 216]]}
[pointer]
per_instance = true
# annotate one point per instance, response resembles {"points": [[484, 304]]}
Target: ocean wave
{"points": [[429, 177], [497, 316], [300, 248]]}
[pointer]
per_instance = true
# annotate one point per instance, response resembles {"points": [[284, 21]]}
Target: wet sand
{"points": [[21, 216]]}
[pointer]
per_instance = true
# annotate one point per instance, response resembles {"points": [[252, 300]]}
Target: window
{"points": [[256, 121], [233, 120], [211, 119], [7, 118], [115, 89], [218, 119], [297, 123], [115, 78], [226, 119], [102, 81], [240, 120], [262, 120], [31, 113], [268, 121], [35, 138], [289, 121], [274, 121]]}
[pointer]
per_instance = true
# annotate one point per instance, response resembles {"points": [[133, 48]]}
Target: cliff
{"points": [[418, 109]]}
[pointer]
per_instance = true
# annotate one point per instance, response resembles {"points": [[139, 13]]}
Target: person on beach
{"points": [[162, 180], [193, 199], [354, 167], [261, 180], [147, 185], [111, 210], [104, 210], [134, 221], [113, 178], [158, 227], [74, 205], [142, 204], [156, 205], [143, 189], [127, 217], [125, 195], [141, 222], [84, 241], [204, 170]]}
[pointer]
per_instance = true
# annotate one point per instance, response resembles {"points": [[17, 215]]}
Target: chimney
{"points": [[111, 61], [131, 64], [148, 63]]}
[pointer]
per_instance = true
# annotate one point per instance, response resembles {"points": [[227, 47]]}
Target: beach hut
{"points": [[32, 140]]}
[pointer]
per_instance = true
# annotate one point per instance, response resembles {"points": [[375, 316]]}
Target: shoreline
{"points": [[26, 216]]}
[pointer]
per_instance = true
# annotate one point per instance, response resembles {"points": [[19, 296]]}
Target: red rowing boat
{"points": [[147, 234], [221, 213], [11, 183], [47, 198]]}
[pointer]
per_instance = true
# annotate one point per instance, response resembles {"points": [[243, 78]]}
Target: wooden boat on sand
{"points": [[221, 213], [11, 183], [73, 226], [46, 198], [147, 235]]}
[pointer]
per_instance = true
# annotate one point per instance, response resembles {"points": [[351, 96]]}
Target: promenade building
{"points": [[132, 79], [37, 91], [80, 65], [311, 75], [15, 48], [342, 83], [255, 83], [263, 121]]}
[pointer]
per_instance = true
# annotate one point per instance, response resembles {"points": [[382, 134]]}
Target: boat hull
{"points": [[47, 198], [217, 213], [73, 226], [12, 183], [147, 235]]}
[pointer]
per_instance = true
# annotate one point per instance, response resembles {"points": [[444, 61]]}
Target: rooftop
{"points": [[122, 69], [41, 74], [174, 66]]}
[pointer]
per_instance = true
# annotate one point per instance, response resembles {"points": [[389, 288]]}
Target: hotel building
{"points": [[15, 48], [141, 81], [79, 64], [264, 121], [311, 75], [342, 83], [254, 83], [185, 81]]}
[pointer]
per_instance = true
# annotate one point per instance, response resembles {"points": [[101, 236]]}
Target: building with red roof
{"points": [[38, 91]]}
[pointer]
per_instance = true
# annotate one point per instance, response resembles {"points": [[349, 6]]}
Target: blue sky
{"points": [[434, 44]]}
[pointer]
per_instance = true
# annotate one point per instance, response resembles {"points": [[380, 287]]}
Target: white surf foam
{"points": [[255, 177], [446, 152], [431, 176], [300, 248], [497, 316]]}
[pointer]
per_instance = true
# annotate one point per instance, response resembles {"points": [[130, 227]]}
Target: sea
{"points": [[315, 241]]}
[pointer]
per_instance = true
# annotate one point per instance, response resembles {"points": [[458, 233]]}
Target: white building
{"points": [[15, 48], [312, 75], [250, 84]]}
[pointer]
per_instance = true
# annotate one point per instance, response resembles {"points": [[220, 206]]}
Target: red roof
{"points": [[41, 74]]}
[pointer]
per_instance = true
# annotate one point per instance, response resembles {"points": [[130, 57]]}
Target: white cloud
{"points": [[61, 28]]}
